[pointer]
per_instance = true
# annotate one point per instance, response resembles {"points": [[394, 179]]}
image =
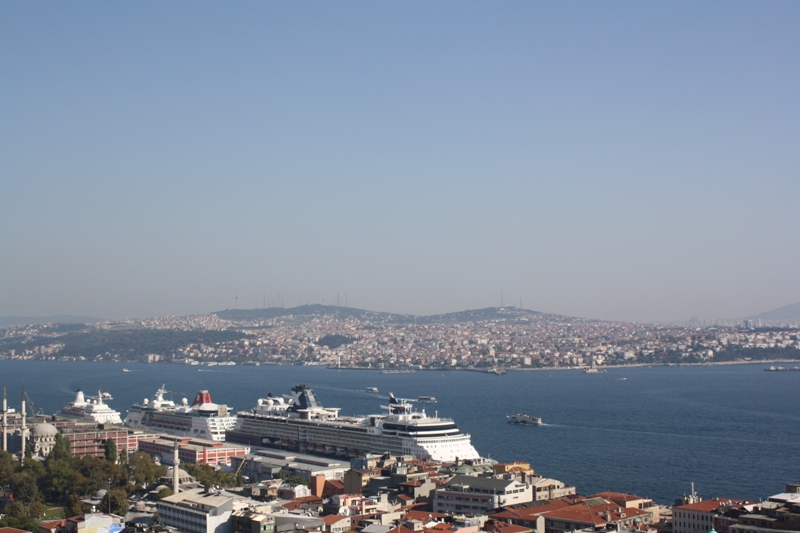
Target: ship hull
{"points": [[350, 438]]}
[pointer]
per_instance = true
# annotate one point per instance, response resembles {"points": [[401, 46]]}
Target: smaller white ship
{"points": [[524, 419], [372, 389], [202, 419], [92, 408], [427, 399]]}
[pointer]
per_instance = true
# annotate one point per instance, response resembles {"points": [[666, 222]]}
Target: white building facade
{"points": [[477, 495], [197, 511]]}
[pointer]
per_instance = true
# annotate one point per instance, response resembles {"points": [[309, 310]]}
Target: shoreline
{"points": [[581, 368], [502, 370], [666, 365]]}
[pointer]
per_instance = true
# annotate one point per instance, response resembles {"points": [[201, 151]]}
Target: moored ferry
{"points": [[203, 419], [297, 421]]}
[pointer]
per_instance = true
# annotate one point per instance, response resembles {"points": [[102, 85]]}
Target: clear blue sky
{"points": [[616, 160]]}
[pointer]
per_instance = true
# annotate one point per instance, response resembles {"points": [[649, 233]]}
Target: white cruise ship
{"points": [[203, 419], [91, 408], [299, 422]]}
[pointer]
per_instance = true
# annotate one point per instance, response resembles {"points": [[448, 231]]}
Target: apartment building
{"points": [[698, 517], [474, 495], [197, 511]]}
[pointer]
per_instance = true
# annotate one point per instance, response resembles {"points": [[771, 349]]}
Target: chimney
{"points": [[175, 462], [317, 485]]}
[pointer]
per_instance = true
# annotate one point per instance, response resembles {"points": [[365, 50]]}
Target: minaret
{"points": [[5, 419], [24, 427], [175, 461]]}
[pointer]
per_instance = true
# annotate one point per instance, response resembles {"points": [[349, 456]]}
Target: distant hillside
{"points": [[787, 313], [496, 313], [312, 311], [124, 344], [6, 321], [309, 311]]}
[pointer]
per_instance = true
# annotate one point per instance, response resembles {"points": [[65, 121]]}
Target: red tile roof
{"points": [[709, 506], [334, 518], [530, 511], [440, 527], [595, 513], [498, 526], [423, 516], [617, 497], [52, 524], [400, 529]]}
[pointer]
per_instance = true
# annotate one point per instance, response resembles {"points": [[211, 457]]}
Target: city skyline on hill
{"points": [[789, 314]]}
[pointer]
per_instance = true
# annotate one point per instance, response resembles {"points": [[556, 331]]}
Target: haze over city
{"points": [[620, 161]]}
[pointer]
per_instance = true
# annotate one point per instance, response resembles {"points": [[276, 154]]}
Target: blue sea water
{"points": [[733, 430]]}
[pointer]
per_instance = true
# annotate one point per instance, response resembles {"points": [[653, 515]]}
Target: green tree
{"points": [[15, 509], [24, 488], [97, 472], [7, 466], [61, 450], [74, 506], [78, 485], [163, 493], [119, 502], [143, 470], [207, 476], [291, 479], [111, 450], [25, 523], [36, 510], [34, 468], [59, 479]]}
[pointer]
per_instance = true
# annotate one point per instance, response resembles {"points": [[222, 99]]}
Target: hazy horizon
{"points": [[4, 320], [619, 161]]}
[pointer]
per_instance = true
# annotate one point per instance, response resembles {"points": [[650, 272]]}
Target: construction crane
{"points": [[28, 401], [239, 469]]}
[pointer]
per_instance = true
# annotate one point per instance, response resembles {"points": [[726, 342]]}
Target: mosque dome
{"points": [[44, 430], [183, 477]]}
